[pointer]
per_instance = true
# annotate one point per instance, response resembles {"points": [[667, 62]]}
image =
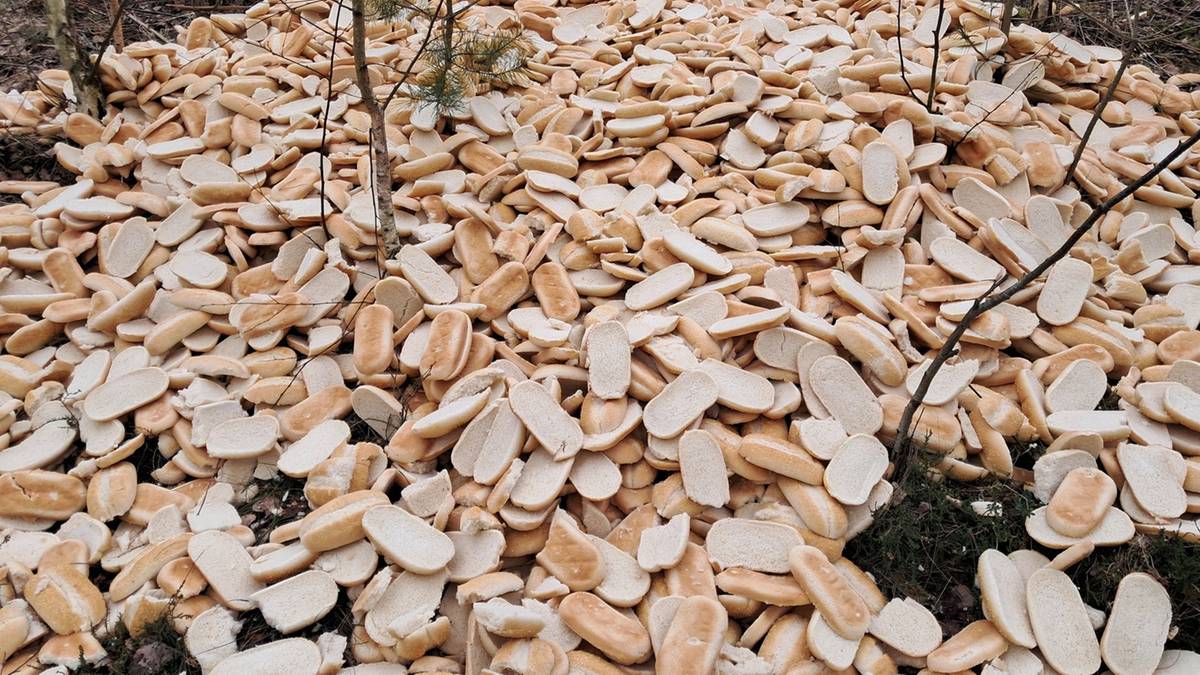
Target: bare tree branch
{"points": [[381, 173], [1087, 134], [75, 60], [937, 52], [1006, 17], [900, 48], [116, 8], [902, 448]]}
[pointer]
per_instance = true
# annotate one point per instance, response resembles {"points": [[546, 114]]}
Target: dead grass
{"points": [[1162, 34]]}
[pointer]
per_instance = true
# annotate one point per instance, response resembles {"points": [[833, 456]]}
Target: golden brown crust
{"points": [[829, 592]]}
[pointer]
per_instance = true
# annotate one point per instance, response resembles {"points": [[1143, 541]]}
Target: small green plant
{"points": [[470, 61], [925, 544], [460, 58], [157, 649], [1173, 561]]}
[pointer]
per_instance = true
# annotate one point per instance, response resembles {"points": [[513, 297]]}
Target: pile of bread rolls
{"points": [[629, 383]]}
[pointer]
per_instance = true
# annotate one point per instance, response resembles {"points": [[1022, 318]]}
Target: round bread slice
{"points": [[683, 245], [827, 645], [608, 354], [596, 477], [125, 394], [1002, 591], [554, 429], [48, 444], [951, 379], [1066, 287], [679, 404], [1111, 425], [500, 617], [1115, 529], [297, 602], [282, 563], [1080, 386], [539, 481], [755, 544], [829, 591], [1178, 662], [475, 554], [1183, 404], [426, 276], [702, 465], [1081, 502], [662, 613], [660, 288], [845, 395], [1155, 475], [856, 467], [1137, 626], [291, 656], [408, 603], [226, 564], [880, 173], [406, 540], [962, 261], [738, 389], [313, 448], [243, 437], [212, 636], [625, 583], [350, 565], [662, 546], [908, 627], [1060, 622]]}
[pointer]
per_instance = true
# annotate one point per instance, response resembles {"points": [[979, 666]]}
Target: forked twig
{"points": [[902, 449], [1087, 134]]}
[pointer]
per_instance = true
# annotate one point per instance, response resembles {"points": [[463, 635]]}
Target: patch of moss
{"points": [[925, 544], [157, 649], [1174, 562]]}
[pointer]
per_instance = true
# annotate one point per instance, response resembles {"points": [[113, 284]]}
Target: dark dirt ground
{"points": [[25, 50]]}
